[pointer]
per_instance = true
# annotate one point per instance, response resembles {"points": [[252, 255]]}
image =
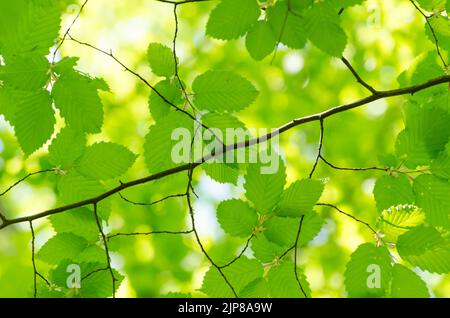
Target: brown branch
{"points": [[295, 256], [151, 203], [188, 166], [68, 30], [357, 77], [149, 233], [240, 254], [107, 255], [350, 216], [351, 169], [319, 149], [23, 179], [33, 261]]}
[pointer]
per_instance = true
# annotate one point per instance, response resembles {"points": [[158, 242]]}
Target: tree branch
{"points": [[436, 43], [24, 178], [319, 149], [295, 256], [357, 77], [107, 255], [190, 166]]}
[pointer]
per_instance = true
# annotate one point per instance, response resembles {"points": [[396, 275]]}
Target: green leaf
{"points": [[368, 272], [431, 5], [223, 91], [171, 90], [256, 289], [432, 195], [161, 60], [61, 246], [221, 172], [28, 27], [80, 222], [236, 217], [100, 284], [283, 283], [34, 119], [28, 72], [392, 190], [74, 187], [425, 248], [441, 165], [260, 40], [76, 97], [283, 230], [59, 275], [105, 160], [264, 190], [407, 284], [265, 250], [239, 274], [425, 135], [231, 19], [398, 219], [324, 31], [287, 26], [300, 197], [159, 148], [68, 146]]}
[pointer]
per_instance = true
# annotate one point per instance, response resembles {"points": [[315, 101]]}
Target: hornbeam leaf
{"points": [[61, 246], [161, 59], [105, 160], [368, 272], [425, 248], [236, 217], [232, 18], [223, 91], [283, 283], [407, 284]]}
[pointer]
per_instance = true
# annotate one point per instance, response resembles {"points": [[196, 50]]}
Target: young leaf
{"points": [[105, 160], [239, 274], [161, 60], [264, 190], [27, 72], [260, 40], [232, 18], [171, 90], [391, 191], [432, 195], [288, 27], [80, 222], [441, 165], [283, 283], [425, 248], [67, 147], [221, 172], [164, 148], [236, 217], [407, 284], [300, 197], [61, 246], [76, 97], [100, 284], [222, 91], [34, 119], [283, 230], [398, 219], [256, 289], [368, 272], [323, 29], [265, 250]]}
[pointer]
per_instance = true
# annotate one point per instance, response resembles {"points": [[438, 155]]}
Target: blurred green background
{"points": [[384, 39]]}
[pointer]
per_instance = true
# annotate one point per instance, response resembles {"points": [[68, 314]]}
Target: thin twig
{"points": [[319, 149], [24, 178], [295, 255], [357, 77], [151, 203], [240, 254], [105, 245], [351, 169], [68, 30], [436, 43], [149, 233]]}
